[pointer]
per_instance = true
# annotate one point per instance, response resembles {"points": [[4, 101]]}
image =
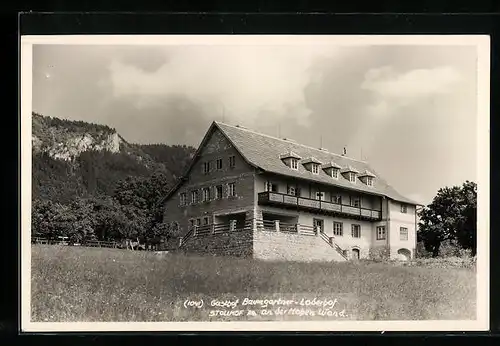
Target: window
{"points": [[369, 181], [319, 195], [318, 225], [206, 194], [355, 202], [403, 233], [270, 186], [352, 177], [219, 164], [232, 190], [291, 190], [183, 198], [218, 192], [232, 161], [337, 229], [294, 164], [380, 232], [404, 208], [315, 168], [356, 231], [337, 199], [194, 196], [335, 173], [205, 220], [206, 167]]}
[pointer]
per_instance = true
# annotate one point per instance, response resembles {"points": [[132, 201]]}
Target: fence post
{"points": [[277, 225], [194, 230], [297, 226], [180, 241], [212, 228]]}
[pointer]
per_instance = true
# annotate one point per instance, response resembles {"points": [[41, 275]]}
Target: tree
{"points": [[43, 218], [450, 216], [466, 233], [159, 232], [143, 192], [139, 199], [110, 221], [83, 220]]}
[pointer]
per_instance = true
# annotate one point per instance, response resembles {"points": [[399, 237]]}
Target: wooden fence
{"points": [[91, 243]]}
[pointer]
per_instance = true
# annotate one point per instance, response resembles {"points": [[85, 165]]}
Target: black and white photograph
{"points": [[256, 182]]}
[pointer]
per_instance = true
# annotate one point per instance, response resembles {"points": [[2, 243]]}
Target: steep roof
{"points": [[266, 152], [263, 151]]}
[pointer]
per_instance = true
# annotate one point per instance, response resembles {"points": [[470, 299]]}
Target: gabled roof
{"points": [[290, 154], [349, 169], [311, 159], [330, 164], [367, 173], [263, 152]]}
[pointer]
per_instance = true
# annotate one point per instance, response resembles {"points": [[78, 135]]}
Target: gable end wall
{"points": [[242, 175]]}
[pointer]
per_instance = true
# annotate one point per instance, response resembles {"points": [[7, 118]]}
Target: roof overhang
{"points": [[311, 160], [290, 154], [331, 165], [367, 174], [349, 169]]}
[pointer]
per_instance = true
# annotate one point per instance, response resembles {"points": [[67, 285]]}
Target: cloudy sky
{"points": [[408, 110]]}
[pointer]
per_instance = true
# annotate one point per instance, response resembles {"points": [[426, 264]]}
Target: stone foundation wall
{"points": [[236, 243], [272, 246], [278, 246]]}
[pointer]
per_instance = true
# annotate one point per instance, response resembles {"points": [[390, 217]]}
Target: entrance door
{"points": [[355, 254], [318, 225]]}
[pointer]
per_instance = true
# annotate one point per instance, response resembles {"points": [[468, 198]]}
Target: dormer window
{"points": [[332, 169], [350, 174], [312, 165], [367, 178], [290, 159]]}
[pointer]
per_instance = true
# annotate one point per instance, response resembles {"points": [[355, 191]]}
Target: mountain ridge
{"points": [[77, 159]]}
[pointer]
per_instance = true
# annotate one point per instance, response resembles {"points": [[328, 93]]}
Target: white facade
{"points": [[396, 239]]}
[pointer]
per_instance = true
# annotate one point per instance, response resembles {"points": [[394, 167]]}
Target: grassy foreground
{"points": [[71, 284]]}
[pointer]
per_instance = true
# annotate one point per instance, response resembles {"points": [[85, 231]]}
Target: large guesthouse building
{"points": [[253, 195]]}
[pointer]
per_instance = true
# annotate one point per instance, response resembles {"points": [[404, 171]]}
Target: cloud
{"points": [[244, 81], [393, 90], [395, 93]]}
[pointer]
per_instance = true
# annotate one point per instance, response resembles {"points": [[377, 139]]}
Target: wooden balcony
{"points": [[318, 206]]}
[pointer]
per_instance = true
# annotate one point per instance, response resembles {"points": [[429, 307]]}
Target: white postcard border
{"points": [[482, 42]]}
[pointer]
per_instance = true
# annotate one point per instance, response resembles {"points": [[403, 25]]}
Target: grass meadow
{"points": [[77, 284]]}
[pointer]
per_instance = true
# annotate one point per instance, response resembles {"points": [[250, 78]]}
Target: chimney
{"points": [[345, 152]]}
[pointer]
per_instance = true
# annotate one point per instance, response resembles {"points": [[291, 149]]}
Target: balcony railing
{"points": [[284, 200]]}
